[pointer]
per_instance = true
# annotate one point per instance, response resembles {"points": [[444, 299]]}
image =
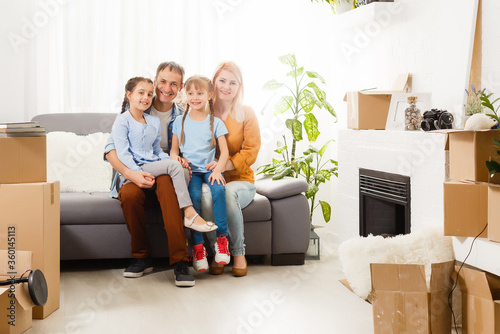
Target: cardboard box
{"points": [[465, 209], [23, 159], [494, 212], [15, 304], [469, 151], [480, 301], [33, 209], [368, 109], [402, 302]]}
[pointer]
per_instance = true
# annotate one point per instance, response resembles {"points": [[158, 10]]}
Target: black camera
{"points": [[435, 119]]}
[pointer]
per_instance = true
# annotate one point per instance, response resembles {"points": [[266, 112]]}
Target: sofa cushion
{"points": [[90, 208], [277, 189], [259, 209], [99, 208]]}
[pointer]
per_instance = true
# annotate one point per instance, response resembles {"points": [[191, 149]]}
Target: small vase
{"points": [[413, 117]]}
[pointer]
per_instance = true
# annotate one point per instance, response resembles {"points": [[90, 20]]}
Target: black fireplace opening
{"points": [[384, 203]]}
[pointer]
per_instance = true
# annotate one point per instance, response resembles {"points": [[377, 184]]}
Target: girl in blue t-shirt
{"points": [[196, 136], [137, 135]]}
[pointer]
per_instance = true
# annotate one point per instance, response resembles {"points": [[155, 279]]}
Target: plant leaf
{"points": [[306, 102], [311, 126], [280, 149], [326, 174], [297, 130], [327, 210], [316, 76], [311, 190], [285, 172], [313, 97], [297, 73], [283, 105], [319, 177], [288, 59], [272, 85], [330, 109], [323, 149], [493, 166], [321, 95], [311, 149], [496, 141]]}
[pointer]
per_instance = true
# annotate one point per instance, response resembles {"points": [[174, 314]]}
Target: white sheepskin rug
{"points": [[422, 247]]}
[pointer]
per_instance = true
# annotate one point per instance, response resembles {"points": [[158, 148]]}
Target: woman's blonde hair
{"points": [[237, 111], [199, 82]]}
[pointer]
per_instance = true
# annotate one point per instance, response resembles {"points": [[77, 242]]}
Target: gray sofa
{"points": [[92, 224]]}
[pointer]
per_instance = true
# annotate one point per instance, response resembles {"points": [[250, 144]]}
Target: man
{"points": [[144, 188]]}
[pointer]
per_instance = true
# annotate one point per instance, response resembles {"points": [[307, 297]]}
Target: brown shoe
{"points": [[216, 270], [239, 272]]}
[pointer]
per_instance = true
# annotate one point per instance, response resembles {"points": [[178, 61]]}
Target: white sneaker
{"points": [[200, 262], [222, 255]]}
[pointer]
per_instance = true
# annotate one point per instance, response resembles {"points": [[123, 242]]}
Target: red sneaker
{"points": [[200, 262], [222, 255]]}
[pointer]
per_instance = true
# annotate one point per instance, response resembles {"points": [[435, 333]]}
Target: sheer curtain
{"points": [[84, 54]]}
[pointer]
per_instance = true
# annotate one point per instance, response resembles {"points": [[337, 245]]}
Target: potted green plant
{"points": [[474, 104], [339, 6], [493, 165], [303, 99]]}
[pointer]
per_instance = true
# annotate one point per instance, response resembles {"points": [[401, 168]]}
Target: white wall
{"points": [[11, 63]]}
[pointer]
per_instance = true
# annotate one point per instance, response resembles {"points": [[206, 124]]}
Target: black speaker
{"points": [[37, 286]]}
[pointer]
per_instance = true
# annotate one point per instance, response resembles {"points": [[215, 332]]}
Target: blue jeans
{"points": [[218, 192], [238, 195]]}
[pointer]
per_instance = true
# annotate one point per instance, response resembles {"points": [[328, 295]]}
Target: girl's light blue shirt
{"points": [[137, 143], [197, 138]]}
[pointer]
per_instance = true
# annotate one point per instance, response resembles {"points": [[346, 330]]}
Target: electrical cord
{"points": [[456, 281]]}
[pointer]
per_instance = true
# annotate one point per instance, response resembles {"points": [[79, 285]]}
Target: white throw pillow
{"points": [[77, 161]]}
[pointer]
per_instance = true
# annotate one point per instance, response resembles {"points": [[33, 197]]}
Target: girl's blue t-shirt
{"points": [[197, 138]]}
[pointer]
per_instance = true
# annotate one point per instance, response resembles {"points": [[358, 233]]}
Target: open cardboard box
{"points": [[469, 151], [480, 301], [15, 301], [368, 109], [402, 302], [23, 159], [33, 209], [465, 208]]}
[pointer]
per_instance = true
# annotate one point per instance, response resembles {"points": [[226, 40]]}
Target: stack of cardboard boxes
{"points": [[30, 212], [471, 202]]}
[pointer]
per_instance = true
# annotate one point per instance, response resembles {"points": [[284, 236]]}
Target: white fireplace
{"points": [[416, 154], [419, 155]]}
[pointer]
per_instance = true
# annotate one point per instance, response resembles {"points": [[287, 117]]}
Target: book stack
{"points": [[21, 129]]}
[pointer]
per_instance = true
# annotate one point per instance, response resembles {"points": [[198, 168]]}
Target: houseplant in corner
{"points": [[493, 165], [339, 6], [303, 99], [474, 103]]}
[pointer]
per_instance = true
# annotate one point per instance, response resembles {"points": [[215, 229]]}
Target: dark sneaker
{"points": [[139, 267], [182, 275]]}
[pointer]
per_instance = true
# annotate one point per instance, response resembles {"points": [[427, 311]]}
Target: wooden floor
{"points": [[95, 298]]}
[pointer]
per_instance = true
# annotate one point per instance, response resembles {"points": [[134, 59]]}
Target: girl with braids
{"points": [[137, 138], [196, 136]]}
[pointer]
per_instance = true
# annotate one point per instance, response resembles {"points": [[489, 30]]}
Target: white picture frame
{"points": [[399, 102]]}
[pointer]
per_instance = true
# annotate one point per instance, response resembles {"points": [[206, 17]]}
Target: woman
{"points": [[243, 141]]}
